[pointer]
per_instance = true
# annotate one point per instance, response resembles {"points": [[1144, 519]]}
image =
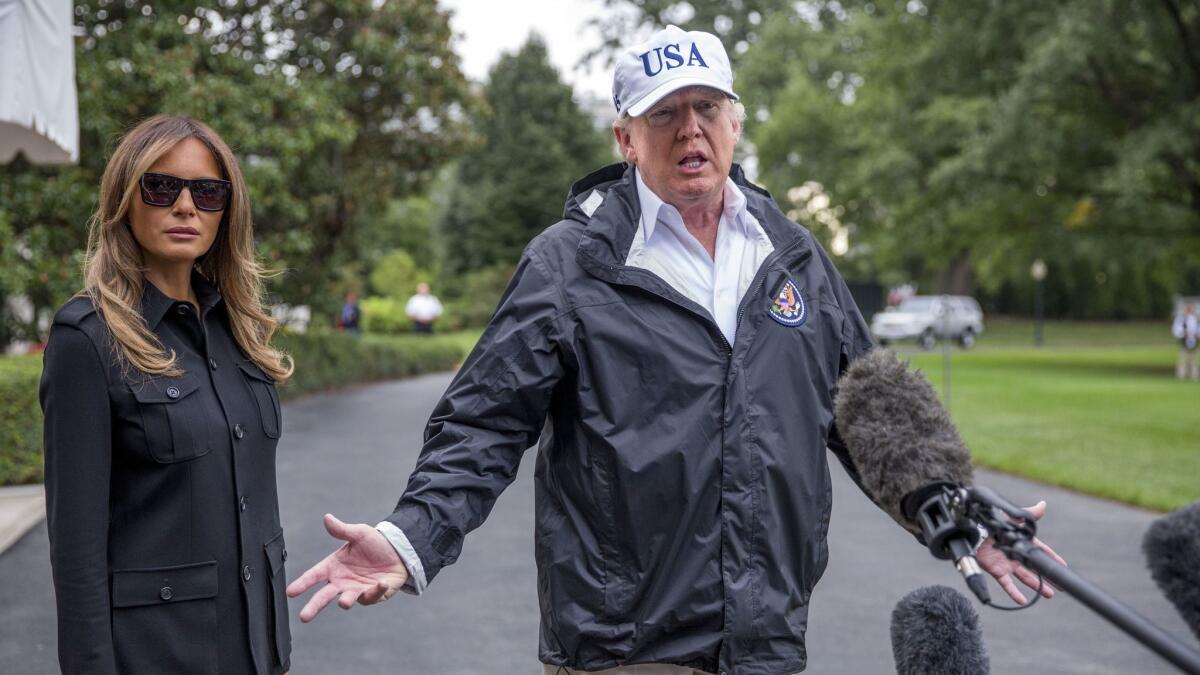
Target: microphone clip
{"points": [[940, 510]]}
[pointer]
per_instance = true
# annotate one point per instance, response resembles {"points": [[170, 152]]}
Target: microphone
{"points": [[909, 456], [935, 631], [1172, 548]]}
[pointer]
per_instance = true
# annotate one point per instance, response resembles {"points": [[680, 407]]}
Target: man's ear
{"points": [[625, 144]]}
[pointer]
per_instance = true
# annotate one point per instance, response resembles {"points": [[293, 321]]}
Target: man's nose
{"points": [[689, 123]]}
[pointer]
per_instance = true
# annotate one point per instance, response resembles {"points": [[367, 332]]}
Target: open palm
{"points": [[365, 569], [1003, 569]]}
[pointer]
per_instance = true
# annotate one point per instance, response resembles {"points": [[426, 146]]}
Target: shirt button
{"points": [[242, 504], [246, 573], [166, 593], [212, 363], [239, 430], [172, 392], [182, 310], [285, 555]]}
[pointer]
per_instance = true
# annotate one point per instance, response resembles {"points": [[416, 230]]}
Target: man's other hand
{"points": [[366, 569], [999, 566]]}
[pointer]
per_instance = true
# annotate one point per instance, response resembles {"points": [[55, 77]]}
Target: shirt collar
{"points": [[156, 304], [655, 209]]}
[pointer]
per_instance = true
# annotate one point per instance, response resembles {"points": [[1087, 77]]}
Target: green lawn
{"points": [[1097, 410]]}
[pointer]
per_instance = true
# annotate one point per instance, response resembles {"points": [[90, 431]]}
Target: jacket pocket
{"points": [[262, 387], [276, 555], [164, 619], [171, 418]]}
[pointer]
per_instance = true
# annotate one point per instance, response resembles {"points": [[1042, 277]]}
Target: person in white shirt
{"points": [[1186, 329], [423, 308]]}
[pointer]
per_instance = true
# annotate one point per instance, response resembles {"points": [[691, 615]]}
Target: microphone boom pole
{"points": [[1015, 540]]}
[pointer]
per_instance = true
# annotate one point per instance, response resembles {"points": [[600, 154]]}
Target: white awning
{"points": [[39, 115]]}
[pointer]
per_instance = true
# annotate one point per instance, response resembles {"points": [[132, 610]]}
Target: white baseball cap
{"points": [[670, 60]]}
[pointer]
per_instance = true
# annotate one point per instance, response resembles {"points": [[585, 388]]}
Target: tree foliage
{"points": [[736, 22], [957, 142], [534, 141], [334, 109]]}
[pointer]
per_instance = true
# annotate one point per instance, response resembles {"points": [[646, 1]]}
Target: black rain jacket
{"points": [[162, 509], [682, 487]]}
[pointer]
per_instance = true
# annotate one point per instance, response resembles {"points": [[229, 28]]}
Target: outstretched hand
{"points": [[999, 566], [366, 569]]}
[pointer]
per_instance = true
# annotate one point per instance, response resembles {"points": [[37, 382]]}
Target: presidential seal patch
{"points": [[788, 307]]}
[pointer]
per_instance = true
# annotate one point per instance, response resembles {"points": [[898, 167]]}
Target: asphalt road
{"points": [[350, 454]]}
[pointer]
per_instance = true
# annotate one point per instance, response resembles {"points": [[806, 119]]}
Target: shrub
{"points": [[323, 361], [384, 316], [329, 360], [20, 420]]}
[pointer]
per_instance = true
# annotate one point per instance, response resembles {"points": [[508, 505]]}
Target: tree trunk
{"points": [[959, 277]]}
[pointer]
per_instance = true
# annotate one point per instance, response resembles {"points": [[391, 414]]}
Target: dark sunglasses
{"points": [[208, 194]]}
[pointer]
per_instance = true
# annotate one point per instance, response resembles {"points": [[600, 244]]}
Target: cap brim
{"points": [[669, 87]]}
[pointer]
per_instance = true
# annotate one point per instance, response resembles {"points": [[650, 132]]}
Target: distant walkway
{"points": [[350, 454]]}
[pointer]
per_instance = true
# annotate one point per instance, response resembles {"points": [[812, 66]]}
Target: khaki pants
{"points": [[1188, 367], [640, 669]]}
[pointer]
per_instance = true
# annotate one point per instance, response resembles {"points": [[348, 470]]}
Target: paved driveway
{"points": [[350, 454]]}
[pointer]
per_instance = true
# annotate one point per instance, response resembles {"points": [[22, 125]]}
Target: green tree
{"points": [[396, 276], [535, 141], [334, 109], [736, 22], [956, 142]]}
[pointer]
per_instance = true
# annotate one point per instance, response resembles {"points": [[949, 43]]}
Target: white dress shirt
{"points": [[663, 245], [423, 307]]}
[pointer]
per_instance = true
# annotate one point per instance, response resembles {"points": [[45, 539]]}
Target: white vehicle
{"points": [[925, 318]]}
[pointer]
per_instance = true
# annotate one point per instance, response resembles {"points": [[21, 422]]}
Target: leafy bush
{"points": [[329, 360], [384, 316], [323, 361], [396, 275], [474, 298], [20, 421]]}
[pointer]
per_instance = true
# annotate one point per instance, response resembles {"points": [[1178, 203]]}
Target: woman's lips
{"points": [[183, 233]]}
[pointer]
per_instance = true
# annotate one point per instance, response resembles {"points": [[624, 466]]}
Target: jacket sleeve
{"points": [[493, 410], [77, 440], [856, 341]]}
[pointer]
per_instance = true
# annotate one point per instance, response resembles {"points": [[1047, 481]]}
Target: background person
{"points": [[423, 309], [684, 337], [351, 314], [161, 420], [1186, 329]]}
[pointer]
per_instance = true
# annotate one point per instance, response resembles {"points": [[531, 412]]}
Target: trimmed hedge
{"points": [[20, 420], [323, 361]]}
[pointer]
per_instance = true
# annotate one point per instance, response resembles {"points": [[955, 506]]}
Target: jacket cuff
{"points": [[416, 582], [435, 545]]}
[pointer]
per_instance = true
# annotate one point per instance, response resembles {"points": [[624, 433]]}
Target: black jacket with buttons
{"points": [[162, 509]]}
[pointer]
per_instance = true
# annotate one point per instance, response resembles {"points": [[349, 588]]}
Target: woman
{"points": [[161, 420]]}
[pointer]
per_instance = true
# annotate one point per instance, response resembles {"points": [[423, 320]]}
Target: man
{"points": [[423, 309], [684, 338], [1186, 329]]}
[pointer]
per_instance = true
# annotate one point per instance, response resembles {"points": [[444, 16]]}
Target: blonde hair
{"points": [[113, 268]]}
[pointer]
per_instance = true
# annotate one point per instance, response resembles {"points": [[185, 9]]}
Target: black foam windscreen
{"points": [[1172, 548], [897, 432], [935, 631]]}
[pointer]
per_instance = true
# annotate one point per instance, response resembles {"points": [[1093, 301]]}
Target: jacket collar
{"points": [[607, 203], [156, 304]]}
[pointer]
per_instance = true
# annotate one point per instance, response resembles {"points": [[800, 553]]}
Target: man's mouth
{"points": [[693, 160]]}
